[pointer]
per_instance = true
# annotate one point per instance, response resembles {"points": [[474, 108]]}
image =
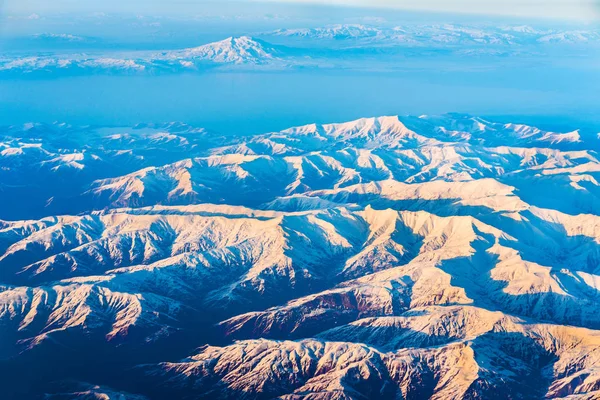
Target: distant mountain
{"points": [[348, 31], [61, 37], [177, 164], [570, 37], [69, 62], [390, 257], [441, 35], [237, 51], [336, 46]]}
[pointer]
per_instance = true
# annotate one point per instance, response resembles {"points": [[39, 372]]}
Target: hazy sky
{"points": [[563, 9], [574, 9]]}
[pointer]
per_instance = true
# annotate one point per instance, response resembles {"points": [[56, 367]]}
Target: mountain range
{"points": [[392, 257], [340, 46], [449, 34], [241, 50]]}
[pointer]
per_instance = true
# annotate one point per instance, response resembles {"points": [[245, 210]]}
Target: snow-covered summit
{"points": [[235, 50], [241, 50]]}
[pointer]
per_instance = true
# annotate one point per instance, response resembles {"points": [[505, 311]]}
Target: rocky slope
{"points": [[393, 257]]}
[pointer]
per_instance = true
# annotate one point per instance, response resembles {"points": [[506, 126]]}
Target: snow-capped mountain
{"points": [[339, 46], [68, 62], [340, 31], [235, 50], [443, 34], [241, 50], [443, 257], [570, 37]]}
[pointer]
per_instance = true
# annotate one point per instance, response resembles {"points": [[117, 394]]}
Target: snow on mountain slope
{"points": [[506, 360], [269, 168], [202, 178], [477, 130], [241, 50], [369, 132], [236, 50], [441, 35], [392, 257], [38, 159], [339, 46], [48, 63], [570, 37], [338, 32], [35, 315], [271, 254]]}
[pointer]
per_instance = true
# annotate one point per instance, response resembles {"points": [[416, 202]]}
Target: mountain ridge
{"points": [[414, 257]]}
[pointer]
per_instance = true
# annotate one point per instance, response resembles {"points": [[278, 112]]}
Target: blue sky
{"points": [[584, 10]]}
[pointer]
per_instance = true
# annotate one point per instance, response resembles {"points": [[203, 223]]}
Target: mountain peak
{"points": [[236, 50], [429, 243]]}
